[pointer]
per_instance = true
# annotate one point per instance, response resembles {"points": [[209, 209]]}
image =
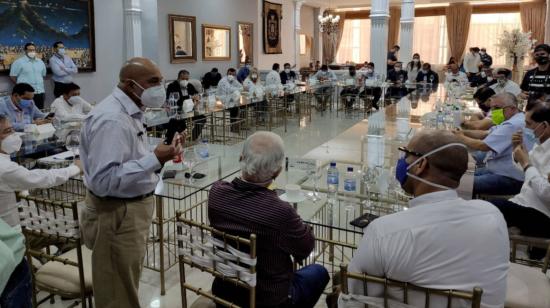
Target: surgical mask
{"points": [[529, 136], [152, 97], [61, 51], [397, 69], [11, 144], [287, 70], [402, 168], [483, 75], [489, 79], [254, 76], [370, 70], [230, 78], [541, 60], [74, 100], [25, 103], [482, 52], [416, 60], [31, 54], [497, 115], [184, 83], [424, 72]]}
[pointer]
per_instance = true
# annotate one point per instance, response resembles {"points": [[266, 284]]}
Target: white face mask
{"points": [[230, 78], [61, 51], [74, 100], [489, 79], [31, 54], [369, 70], [184, 83], [397, 69], [416, 60], [287, 70], [152, 97], [11, 144], [254, 76]]}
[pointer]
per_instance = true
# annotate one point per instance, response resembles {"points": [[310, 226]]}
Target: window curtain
{"points": [[458, 25], [533, 18], [393, 29], [331, 44]]}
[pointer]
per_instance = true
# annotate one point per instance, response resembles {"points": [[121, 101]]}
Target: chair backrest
{"points": [[474, 297], [55, 222], [218, 253]]}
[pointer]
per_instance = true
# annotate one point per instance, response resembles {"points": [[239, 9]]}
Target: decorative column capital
{"points": [[297, 14]]}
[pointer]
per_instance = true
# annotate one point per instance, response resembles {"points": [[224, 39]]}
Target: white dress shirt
{"points": [[14, 177], [535, 191], [441, 242], [460, 77], [256, 90], [472, 62], [227, 91], [509, 86], [67, 112], [273, 82], [114, 150]]}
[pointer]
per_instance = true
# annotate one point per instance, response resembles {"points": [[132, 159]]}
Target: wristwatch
{"points": [[526, 167]]}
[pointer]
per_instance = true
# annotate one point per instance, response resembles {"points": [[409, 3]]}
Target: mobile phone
{"points": [[196, 176], [363, 220], [169, 174]]}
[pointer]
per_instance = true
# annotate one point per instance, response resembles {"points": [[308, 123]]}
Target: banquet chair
{"points": [[219, 254], [350, 300], [68, 275]]}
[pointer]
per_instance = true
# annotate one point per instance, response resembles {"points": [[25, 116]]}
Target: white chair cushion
{"points": [[527, 287], [58, 276]]}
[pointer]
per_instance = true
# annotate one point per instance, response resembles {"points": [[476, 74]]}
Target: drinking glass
{"points": [[72, 142], [190, 160], [315, 175]]}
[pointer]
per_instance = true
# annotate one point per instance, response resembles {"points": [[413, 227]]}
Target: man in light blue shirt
{"points": [[20, 108], [30, 69], [500, 176], [63, 68]]}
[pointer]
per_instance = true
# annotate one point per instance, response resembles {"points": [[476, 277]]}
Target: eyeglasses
{"points": [[409, 152]]}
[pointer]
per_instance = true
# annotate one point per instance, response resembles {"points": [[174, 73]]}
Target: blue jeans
{"points": [[307, 286], [488, 183], [18, 290], [479, 157]]}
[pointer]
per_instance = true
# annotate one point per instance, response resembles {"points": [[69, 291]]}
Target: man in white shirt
{"points": [[326, 78], [229, 92], [455, 76], [472, 61], [273, 82], [530, 209], [441, 241], [504, 83], [70, 107], [14, 177]]}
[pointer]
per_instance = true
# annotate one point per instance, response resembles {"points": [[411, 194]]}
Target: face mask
{"points": [[287, 70], [61, 51], [402, 168], [541, 60], [424, 72], [152, 97], [416, 60], [397, 69], [497, 115], [11, 144], [25, 103], [482, 53], [31, 54], [184, 83], [230, 78], [483, 75], [247, 66], [489, 79], [369, 70], [254, 76], [74, 100], [529, 136]]}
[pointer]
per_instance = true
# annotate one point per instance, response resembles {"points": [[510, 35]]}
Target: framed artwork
{"points": [[245, 39], [44, 23], [272, 16], [183, 38], [216, 43]]}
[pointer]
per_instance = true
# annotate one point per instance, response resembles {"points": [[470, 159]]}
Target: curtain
{"points": [[393, 29], [533, 18], [458, 25], [355, 42], [331, 44]]}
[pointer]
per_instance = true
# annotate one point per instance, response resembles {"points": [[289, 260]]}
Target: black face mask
{"points": [[541, 60]]}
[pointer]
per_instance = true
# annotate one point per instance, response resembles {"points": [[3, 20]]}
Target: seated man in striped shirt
{"points": [[246, 206]]}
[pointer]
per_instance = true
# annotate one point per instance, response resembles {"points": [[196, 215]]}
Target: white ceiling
{"points": [[366, 3]]}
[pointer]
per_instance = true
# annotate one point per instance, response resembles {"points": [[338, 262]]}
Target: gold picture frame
{"points": [[216, 43], [245, 42], [183, 38]]}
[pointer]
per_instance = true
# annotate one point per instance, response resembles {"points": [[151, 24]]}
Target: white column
{"points": [[297, 27], [406, 32], [132, 28], [379, 16], [547, 25]]}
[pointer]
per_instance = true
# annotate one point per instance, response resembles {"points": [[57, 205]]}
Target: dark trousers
{"points": [[530, 221], [18, 290], [58, 88], [233, 114], [376, 92], [39, 100], [306, 288], [198, 124]]}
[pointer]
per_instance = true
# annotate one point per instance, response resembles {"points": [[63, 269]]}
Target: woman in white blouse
{"points": [[256, 93], [414, 67], [530, 209], [70, 107]]}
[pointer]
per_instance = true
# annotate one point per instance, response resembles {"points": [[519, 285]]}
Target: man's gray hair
{"points": [[509, 99], [263, 155]]}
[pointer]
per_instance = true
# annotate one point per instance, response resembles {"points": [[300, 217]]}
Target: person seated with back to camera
{"points": [[246, 205], [436, 243], [70, 107]]}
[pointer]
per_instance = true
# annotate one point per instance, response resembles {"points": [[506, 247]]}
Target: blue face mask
{"points": [[529, 136], [25, 103], [401, 171]]}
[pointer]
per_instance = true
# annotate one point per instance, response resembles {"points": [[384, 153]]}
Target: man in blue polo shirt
{"points": [[32, 70], [500, 176], [20, 108]]}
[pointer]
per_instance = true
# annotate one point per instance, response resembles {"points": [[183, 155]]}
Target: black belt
{"points": [[138, 198]]}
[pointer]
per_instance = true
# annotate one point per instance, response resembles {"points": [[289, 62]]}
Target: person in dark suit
{"points": [[427, 76], [398, 76], [211, 79], [186, 91], [287, 74]]}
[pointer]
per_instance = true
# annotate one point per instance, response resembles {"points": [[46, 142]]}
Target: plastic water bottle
{"points": [[202, 149], [440, 120], [350, 181], [332, 179], [457, 117]]}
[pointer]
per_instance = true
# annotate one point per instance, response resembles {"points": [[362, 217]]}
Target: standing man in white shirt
{"points": [[119, 172], [472, 61], [436, 243], [70, 107], [14, 177], [31, 70], [63, 68], [530, 209], [504, 83]]}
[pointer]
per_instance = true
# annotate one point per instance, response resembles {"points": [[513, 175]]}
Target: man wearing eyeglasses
{"points": [[499, 176], [436, 242]]}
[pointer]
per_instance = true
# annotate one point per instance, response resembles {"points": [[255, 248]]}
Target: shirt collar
{"points": [[127, 104], [13, 106], [434, 197], [241, 184], [6, 156]]}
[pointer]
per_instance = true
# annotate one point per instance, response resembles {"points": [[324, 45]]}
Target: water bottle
{"points": [[203, 149], [457, 117], [350, 181], [332, 179], [440, 120]]}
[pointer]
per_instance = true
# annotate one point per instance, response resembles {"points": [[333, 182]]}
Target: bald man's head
{"points": [[445, 167], [138, 74]]}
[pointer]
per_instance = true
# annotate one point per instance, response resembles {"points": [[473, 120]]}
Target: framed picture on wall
{"points": [[245, 40], [272, 15], [41, 23], [216, 43], [183, 38]]}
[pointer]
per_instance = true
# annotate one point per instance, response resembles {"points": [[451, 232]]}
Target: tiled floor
{"points": [[301, 138]]}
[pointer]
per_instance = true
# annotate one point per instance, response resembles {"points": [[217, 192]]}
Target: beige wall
{"points": [[307, 22]]}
